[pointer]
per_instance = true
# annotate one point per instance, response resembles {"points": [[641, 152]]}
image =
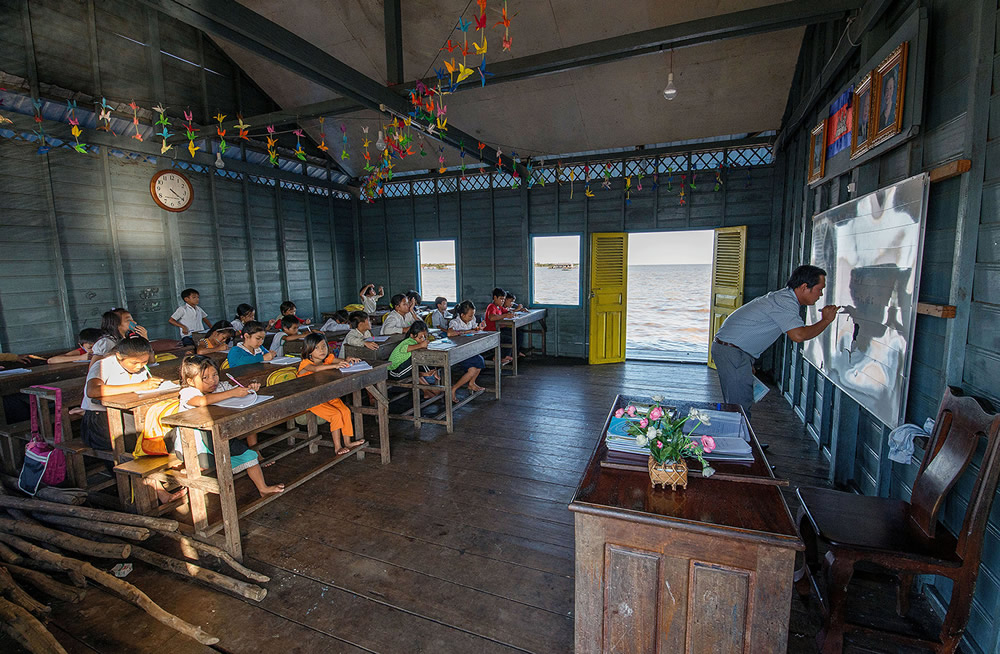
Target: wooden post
{"points": [[192, 469], [227, 495], [383, 419]]}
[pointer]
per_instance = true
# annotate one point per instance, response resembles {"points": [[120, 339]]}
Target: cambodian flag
{"points": [[838, 134]]}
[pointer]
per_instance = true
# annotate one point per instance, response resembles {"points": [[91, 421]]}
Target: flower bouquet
{"points": [[661, 432]]}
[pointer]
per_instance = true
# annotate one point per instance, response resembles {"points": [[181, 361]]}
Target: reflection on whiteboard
{"points": [[871, 249]]}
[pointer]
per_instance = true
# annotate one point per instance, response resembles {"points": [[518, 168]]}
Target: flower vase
{"points": [[668, 473]]}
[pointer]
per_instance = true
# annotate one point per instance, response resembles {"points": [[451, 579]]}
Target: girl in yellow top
{"points": [[316, 357]]}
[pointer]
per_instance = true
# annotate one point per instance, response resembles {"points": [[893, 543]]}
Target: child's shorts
{"points": [[462, 367]]}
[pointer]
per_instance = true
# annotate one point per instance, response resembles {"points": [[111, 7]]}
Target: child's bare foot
{"points": [[342, 451], [507, 359], [165, 497], [475, 388], [521, 354], [270, 490]]}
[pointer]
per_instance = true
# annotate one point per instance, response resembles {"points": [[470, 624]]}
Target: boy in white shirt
{"points": [[369, 298], [400, 318], [189, 316], [289, 332]]}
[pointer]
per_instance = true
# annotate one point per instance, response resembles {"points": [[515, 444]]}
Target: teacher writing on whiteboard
{"points": [[752, 328]]}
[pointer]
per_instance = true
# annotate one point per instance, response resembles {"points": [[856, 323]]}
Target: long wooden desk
{"points": [[381, 353], [520, 321], [290, 398], [465, 347], [706, 569]]}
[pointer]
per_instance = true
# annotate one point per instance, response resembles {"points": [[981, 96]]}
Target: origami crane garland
{"points": [[75, 131], [164, 134]]}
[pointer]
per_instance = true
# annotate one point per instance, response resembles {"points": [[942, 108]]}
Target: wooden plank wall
{"points": [[80, 233], [493, 228], [961, 120]]}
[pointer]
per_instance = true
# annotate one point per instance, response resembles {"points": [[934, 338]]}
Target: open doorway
{"points": [[669, 289]]}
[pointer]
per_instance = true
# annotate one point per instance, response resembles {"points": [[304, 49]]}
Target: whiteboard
{"points": [[871, 249]]}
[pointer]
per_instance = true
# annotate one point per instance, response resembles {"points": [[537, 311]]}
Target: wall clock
{"points": [[171, 190]]}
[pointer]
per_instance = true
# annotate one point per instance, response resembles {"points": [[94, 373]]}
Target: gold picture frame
{"points": [[888, 96], [861, 124], [817, 152]]}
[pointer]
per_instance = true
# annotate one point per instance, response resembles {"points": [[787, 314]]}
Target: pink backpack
{"points": [[42, 462]]}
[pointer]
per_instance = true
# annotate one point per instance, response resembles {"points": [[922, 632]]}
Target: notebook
{"points": [[377, 339], [357, 367], [163, 388], [14, 371], [244, 402], [284, 361]]}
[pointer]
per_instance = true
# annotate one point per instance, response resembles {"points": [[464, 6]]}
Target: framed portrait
{"points": [[889, 87], [861, 130], [817, 152]]}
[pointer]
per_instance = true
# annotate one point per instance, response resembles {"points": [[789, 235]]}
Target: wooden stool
{"points": [[137, 487]]}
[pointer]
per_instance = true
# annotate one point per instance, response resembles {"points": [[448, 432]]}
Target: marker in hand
{"points": [[233, 379]]}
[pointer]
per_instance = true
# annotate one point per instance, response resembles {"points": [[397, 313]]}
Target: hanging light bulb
{"points": [[218, 160], [380, 143], [670, 92]]}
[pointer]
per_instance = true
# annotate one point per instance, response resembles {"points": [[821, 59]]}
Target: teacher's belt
{"points": [[722, 342]]}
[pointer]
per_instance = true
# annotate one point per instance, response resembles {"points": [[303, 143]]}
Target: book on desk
{"points": [[728, 429]]}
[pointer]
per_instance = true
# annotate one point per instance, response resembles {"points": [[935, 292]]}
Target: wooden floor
{"points": [[462, 544]]}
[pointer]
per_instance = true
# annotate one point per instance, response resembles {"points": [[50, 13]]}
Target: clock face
{"points": [[171, 190]]}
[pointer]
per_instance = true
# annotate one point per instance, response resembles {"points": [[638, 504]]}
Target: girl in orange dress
{"points": [[316, 357]]}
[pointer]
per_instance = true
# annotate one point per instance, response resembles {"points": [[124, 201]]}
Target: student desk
{"points": [[385, 348], [709, 568], [290, 399], [522, 321], [465, 347], [11, 384]]}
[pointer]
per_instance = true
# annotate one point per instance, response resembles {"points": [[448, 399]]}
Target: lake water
{"points": [[668, 308]]}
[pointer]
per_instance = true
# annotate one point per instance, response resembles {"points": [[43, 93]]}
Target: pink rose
{"points": [[619, 413], [659, 445], [707, 443], [656, 413], [630, 411], [643, 423]]}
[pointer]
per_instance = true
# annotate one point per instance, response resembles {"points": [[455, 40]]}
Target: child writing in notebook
{"points": [[200, 380], [316, 357], [464, 322], [88, 336], [361, 326], [369, 298], [217, 339], [116, 325], [252, 349], [289, 332], [189, 316], [401, 358], [122, 371]]}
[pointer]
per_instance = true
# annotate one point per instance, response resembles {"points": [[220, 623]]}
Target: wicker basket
{"points": [[668, 474]]}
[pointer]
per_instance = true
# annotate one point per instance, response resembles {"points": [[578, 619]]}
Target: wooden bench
{"points": [[137, 476]]}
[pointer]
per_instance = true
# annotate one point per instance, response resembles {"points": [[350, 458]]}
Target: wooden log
{"points": [[65, 541], [217, 552], [75, 577], [102, 515], [183, 568], [47, 584], [125, 531], [17, 595], [122, 588], [48, 493], [8, 555], [26, 630]]}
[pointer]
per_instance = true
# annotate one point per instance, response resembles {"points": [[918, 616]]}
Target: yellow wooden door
{"points": [[608, 290], [728, 258]]}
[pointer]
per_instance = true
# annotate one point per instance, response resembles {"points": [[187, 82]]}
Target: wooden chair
{"points": [[906, 538]]}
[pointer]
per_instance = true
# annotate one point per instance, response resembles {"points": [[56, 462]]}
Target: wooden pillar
{"points": [[282, 251], [312, 250], [251, 262], [334, 256]]}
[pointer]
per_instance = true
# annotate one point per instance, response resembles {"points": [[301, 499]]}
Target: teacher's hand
{"points": [[829, 312]]}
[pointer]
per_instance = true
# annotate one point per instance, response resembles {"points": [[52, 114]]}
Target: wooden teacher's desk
{"points": [[289, 399], [706, 569]]}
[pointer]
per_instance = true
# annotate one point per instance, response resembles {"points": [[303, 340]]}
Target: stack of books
{"points": [[727, 429]]}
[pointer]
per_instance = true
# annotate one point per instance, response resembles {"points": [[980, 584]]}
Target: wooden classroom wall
{"points": [[961, 266], [493, 230], [80, 234]]}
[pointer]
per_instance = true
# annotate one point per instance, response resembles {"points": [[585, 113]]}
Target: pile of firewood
{"points": [[39, 542]]}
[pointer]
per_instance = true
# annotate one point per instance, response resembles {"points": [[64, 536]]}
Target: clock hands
{"points": [[175, 194]]}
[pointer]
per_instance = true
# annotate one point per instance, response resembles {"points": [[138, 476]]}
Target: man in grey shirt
{"points": [[752, 328]]}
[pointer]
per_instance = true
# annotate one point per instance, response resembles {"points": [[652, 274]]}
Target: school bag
{"points": [[150, 442], [42, 462]]}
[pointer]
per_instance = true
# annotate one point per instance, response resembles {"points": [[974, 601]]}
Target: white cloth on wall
{"points": [[901, 440]]}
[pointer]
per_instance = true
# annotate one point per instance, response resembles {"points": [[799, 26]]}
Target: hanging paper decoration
{"points": [[694, 178], [190, 132], [75, 130], [572, 178], [638, 186], [40, 132], [104, 117], [343, 151], [670, 180], [163, 122], [718, 179], [299, 152], [135, 120], [240, 125], [656, 180], [683, 179], [272, 146], [606, 184], [628, 190], [3, 119], [505, 21], [463, 27], [322, 136], [223, 146]]}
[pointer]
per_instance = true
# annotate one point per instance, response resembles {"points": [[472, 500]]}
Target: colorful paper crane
{"points": [[483, 73], [505, 21]]}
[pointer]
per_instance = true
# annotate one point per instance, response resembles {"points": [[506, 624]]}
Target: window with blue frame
{"points": [[555, 270], [436, 270]]}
